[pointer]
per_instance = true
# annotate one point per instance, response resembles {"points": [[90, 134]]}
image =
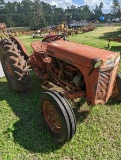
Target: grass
{"points": [[99, 38], [22, 133]]}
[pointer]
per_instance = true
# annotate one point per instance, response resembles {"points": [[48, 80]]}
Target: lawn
{"points": [[23, 135]]}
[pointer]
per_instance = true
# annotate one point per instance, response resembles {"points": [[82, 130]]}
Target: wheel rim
{"points": [[52, 117]]}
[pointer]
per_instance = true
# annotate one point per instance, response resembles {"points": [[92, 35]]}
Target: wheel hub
{"points": [[52, 117]]}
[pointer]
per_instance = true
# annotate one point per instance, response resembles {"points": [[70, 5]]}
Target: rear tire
{"points": [[58, 116], [14, 66]]}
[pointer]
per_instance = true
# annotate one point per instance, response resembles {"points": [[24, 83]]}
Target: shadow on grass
{"points": [[29, 131], [81, 110], [112, 103], [115, 48], [114, 34], [109, 46]]}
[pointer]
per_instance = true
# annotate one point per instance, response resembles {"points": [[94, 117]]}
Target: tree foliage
{"points": [[116, 8], [98, 10], [37, 14]]}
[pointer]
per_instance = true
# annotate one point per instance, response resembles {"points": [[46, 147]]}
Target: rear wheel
{"points": [[116, 95], [58, 116], [14, 66]]}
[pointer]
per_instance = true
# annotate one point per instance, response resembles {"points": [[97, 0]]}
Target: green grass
{"points": [[22, 133], [27, 40], [99, 38]]}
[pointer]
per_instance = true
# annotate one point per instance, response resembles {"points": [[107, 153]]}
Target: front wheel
{"points": [[58, 116], [116, 95]]}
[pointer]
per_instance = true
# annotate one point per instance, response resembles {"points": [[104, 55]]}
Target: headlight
{"points": [[96, 62]]}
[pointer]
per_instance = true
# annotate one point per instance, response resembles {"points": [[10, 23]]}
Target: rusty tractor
{"points": [[5, 31], [80, 71], [116, 39], [89, 27], [2, 26]]}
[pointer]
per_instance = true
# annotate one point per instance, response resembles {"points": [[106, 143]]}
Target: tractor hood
{"points": [[80, 54]]}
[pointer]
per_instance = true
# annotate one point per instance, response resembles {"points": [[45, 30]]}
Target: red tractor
{"points": [[2, 26], [81, 71]]}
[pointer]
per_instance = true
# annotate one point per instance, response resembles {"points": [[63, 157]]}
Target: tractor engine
{"points": [[58, 72], [69, 74]]}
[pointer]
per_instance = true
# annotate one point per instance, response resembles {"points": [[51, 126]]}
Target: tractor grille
{"points": [[103, 84]]}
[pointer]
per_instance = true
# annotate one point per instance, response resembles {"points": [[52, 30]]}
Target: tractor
{"points": [[80, 71], [2, 26]]}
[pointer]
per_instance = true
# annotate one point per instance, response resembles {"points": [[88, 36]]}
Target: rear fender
{"points": [[39, 47], [20, 47]]}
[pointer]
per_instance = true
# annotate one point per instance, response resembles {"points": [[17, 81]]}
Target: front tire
{"points": [[58, 116], [14, 66], [116, 95]]}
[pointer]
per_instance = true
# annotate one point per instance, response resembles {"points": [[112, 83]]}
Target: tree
{"points": [[2, 6], [115, 8], [38, 20], [37, 14], [98, 11], [86, 12]]}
